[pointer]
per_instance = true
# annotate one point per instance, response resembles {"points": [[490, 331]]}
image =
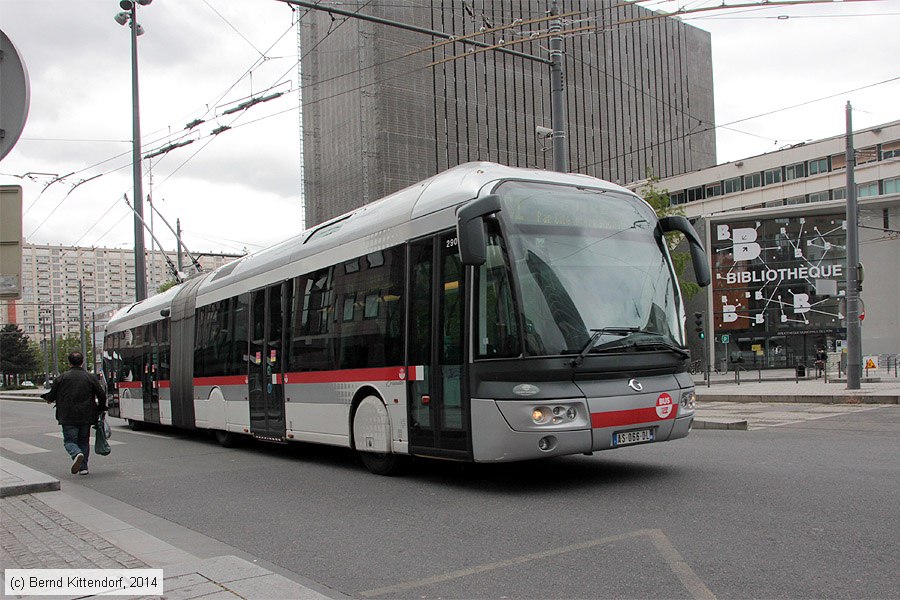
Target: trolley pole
{"points": [[854, 343], [178, 241], [557, 93]]}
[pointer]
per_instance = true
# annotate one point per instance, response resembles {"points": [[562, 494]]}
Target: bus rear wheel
{"points": [[135, 425], [227, 439], [380, 464]]}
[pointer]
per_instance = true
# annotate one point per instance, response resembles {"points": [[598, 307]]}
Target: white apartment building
{"points": [[775, 230], [50, 281]]}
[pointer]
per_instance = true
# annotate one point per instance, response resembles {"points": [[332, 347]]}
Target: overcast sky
{"points": [[240, 190]]}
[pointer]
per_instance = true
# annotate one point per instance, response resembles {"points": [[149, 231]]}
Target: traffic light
{"points": [[698, 325]]}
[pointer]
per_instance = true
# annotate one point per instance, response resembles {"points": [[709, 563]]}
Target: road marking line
{"points": [[144, 433], [675, 561], [60, 436], [20, 447], [823, 416]]}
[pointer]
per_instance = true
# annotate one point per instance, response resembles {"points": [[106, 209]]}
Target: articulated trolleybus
{"points": [[485, 314]]}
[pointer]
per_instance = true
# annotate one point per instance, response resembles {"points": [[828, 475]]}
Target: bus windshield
{"points": [[588, 261]]}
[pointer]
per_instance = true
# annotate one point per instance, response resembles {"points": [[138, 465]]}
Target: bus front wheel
{"points": [[372, 436]]}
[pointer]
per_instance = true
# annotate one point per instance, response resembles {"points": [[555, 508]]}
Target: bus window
{"points": [[496, 316], [239, 351], [451, 346], [312, 334], [370, 311]]}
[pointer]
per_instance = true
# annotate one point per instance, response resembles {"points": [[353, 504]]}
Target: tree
{"points": [[658, 199], [166, 285], [72, 343], [17, 355]]}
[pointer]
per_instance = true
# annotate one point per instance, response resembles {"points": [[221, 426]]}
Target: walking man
{"points": [[79, 401]]}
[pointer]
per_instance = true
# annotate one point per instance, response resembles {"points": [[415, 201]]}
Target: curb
{"points": [[722, 424], [18, 479], [21, 397], [799, 398]]}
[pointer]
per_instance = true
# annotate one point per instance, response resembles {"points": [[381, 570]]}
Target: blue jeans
{"points": [[77, 438]]}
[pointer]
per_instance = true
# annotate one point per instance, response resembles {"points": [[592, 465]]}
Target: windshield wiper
{"points": [[625, 331], [651, 340], [665, 346]]}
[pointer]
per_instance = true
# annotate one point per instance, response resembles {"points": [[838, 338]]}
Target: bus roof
{"points": [[445, 190]]}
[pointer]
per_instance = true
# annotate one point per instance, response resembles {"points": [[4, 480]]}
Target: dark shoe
{"points": [[76, 464]]}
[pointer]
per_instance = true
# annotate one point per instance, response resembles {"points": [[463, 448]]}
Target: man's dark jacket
{"points": [[74, 392]]}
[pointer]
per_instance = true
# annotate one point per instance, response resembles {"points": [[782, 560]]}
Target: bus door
{"points": [[439, 422], [150, 374], [265, 378]]}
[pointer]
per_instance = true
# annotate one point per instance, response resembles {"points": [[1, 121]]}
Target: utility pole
{"points": [[53, 339], [854, 343], [94, 339], [81, 319], [557, 93], [44, 348], [129, 17]]}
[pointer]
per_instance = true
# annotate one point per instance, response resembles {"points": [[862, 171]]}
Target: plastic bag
{"points": [[101, 445]]}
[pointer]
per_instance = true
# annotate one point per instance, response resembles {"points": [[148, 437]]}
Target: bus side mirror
{"points": [[698, 256], [470, 229]]}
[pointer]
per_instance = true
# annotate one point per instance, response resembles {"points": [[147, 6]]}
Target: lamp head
{"points": [[126, 4], [121, 18], [144, 2], [140, 30]]}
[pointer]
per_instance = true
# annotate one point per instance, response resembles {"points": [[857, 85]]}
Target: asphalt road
{"points": [[802, 511]]}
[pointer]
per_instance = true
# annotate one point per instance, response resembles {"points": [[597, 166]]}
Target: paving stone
{"points": [[37, 536]]}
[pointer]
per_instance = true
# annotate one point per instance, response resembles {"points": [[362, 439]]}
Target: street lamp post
{"points": [[129, 17]]}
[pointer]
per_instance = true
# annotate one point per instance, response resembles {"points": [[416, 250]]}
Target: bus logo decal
{"points": [[635, 385], [664, 406], [526, 389]]}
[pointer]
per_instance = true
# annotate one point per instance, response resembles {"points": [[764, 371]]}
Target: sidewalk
{"points": [[782, 398], [782, 385], [47, 526]]}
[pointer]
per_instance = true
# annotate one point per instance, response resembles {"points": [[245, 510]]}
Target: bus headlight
{"points": [[689, 400], [555, 415]]}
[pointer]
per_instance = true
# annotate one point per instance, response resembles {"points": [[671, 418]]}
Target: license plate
{"points": [[625, 438]]}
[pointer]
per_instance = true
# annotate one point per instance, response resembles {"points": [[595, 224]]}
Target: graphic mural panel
{"points": [[779, 277]]}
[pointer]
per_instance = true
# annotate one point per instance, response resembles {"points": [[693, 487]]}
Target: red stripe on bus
{"points": [[349, 375], [343, 376], [135, 385], [622, 418], [220, 381]]}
